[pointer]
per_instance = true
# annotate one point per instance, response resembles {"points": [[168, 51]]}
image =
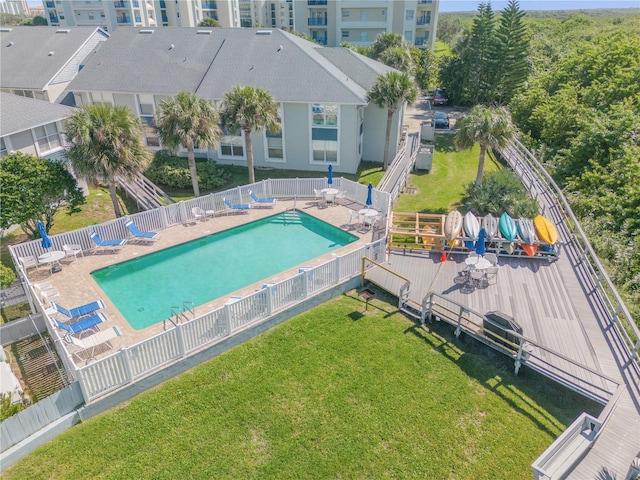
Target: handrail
{"points": [[588, 253]]}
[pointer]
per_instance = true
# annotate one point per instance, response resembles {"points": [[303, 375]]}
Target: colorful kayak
{"points": [[509, 248], [529, 249], [526, 230], [471, 226], [545, 229], [490, 225], [452, 225], [507, 227]]}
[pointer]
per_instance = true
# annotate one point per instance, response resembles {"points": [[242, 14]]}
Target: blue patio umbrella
{"points": [[46, 241], [480, 247], [330, 176], [369, 202]]}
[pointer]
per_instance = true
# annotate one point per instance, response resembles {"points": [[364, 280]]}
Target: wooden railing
{"points": [[533, 175], [524, 351]]}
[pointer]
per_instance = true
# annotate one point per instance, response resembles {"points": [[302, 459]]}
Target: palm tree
{"points": [[491, 127], [250, 108], [106, 144], [188, 121], [391, 91]]}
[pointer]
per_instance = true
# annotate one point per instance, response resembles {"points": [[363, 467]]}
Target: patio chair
{"points": [[478, 278], [72, 250], [86, 324], [491, 273], [201, 213], [29, 262], [81, 311], [354, 217], [262, 202], [107, 244], [137, 233], [88, 344], [320, 198], [492, 258], [240, 207]]}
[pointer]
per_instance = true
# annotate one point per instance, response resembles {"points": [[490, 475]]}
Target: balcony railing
{"points": [[50, 5], [316, 2], [421, 41], [321, 40], [209, 6], [316, 22], [123, 19], [120, 5], [425, 2], [163, 4], [423, 21]]}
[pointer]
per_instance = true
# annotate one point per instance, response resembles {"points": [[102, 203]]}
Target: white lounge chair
{"points": [[320, 198], [72, 250], [29, 262], [88, 344], [201, 213]]}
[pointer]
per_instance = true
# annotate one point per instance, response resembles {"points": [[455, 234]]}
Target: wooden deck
{"points": [[558, 306]]}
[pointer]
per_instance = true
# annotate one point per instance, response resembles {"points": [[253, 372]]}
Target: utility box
{"points": [[424, 158], [427, 130]]}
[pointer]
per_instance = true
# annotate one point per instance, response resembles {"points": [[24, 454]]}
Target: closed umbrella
{"points": [[480, 247], [369, 201], [46, 241], [330, 175]]}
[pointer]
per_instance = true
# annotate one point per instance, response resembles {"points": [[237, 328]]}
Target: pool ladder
{"points": [[185, 312]]}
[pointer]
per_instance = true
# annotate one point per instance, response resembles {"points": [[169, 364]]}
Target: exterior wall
{"points": [[53, 92], [348, 140], [127, 100], [21, 142], [374, 133]]}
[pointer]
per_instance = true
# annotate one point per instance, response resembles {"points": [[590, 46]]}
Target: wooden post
{"points": [[457, 332]]}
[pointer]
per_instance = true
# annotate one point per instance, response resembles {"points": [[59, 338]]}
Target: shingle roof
{"points": [[363, 70], [24, 53], [18, 114], [178, 58]]}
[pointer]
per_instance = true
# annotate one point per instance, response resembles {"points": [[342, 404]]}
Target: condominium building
{"points": [[329, 22], [358, 22], [15, 7]]}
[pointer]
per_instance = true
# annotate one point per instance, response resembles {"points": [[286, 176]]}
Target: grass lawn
{"points": [[331, 393], [440, 190]]}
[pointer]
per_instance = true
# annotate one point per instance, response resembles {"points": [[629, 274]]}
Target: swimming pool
{"points": [[145, 288]]}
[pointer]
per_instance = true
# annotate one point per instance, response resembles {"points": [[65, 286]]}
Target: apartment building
{"points": [[324, 111], [15, 7], [329, 22], [358, 22]]}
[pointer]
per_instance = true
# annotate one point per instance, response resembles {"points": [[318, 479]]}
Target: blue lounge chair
{"points": [[262, 202], [82, 325], [238, 206], [80, 311], [106, 244], [137, 233]]}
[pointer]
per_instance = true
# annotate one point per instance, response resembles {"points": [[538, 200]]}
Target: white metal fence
{"points": [[133, 362]]}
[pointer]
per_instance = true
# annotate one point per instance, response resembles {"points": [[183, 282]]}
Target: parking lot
{"points": [[422, 110]]}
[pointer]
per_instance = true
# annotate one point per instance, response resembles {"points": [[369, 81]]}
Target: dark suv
{"points": [[440, 97]]}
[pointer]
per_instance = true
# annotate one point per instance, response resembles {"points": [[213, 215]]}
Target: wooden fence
{"points": [[27, 422]]}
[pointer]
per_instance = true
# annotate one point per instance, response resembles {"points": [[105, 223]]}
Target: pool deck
{"points": [[77, 287]]}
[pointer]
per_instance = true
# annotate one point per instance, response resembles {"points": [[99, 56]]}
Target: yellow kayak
{"points": [[545, 229]]}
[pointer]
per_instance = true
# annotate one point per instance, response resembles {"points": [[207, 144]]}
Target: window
{"points": [[409, 15], [408, 36], [3, 148], [47, 137], [24, 93], [364, 15], [146, 104], [102, 97], [364, 36], [345, 34], [324, 132], [275, 142], [91, 16], [345, 13], [231, 144]]}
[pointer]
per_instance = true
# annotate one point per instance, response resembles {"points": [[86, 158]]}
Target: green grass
{"points": [[13, 312], [440, 190], [331, 393]]}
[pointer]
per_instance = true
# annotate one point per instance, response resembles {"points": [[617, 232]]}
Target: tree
{"points": [[398, 58], [35, 189], [391, 91], [208, 22], [106, 144], [512, 50], [39, 20], [7, 276], [385, 41], [250, 108], [188, 121], [480, 56], [491, 127]]}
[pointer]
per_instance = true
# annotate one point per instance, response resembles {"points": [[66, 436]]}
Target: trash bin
{"points": [[427, 130], [424, 159], [502, 324]]}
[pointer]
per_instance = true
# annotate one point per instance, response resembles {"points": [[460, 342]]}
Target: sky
{"points": [[472, 5]]}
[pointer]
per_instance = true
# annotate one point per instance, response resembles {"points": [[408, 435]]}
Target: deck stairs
{"points": [[146, 194]]}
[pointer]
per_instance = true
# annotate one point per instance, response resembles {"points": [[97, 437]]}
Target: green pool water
{"points": [[145, 288]]}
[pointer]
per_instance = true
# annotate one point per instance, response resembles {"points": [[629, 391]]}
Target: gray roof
{"points": [[24, 53], [363, 70], [172, 59], [18, 114]]}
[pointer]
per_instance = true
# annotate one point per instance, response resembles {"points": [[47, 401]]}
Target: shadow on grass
{"points": [[548, 400], [444, 143]]}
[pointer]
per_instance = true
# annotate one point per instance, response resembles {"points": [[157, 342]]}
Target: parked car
{"points": [[441, 120], [440, 97]]}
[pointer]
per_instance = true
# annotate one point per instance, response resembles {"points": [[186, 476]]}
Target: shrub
{"points": [[170, 171], [7, 276], [499, 192], [7, 408]]}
